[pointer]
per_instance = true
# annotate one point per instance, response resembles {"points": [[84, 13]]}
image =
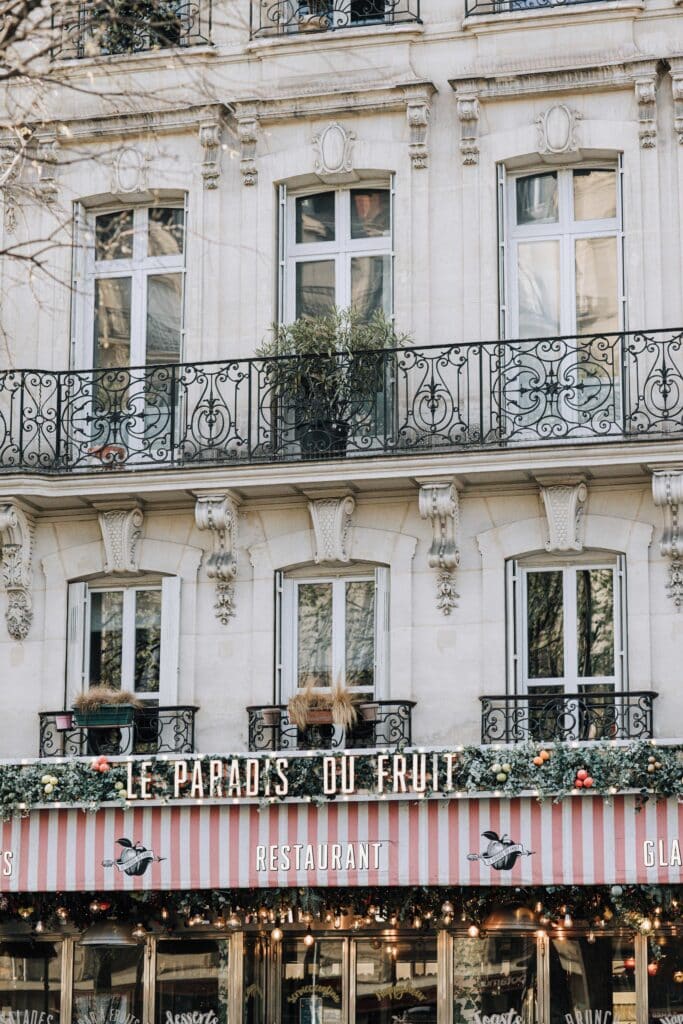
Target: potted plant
{"points": [[327, 372], [103, 707], [64, 721], [337, 706]]}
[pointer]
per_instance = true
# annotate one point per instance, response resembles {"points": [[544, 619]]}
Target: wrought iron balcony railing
{"points": [[513, 6], [442, 398], [287, 17], [154, 730], [603, 715], [108, 27], [381, 723]]}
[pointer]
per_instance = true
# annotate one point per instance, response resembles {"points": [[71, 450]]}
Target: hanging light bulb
{"points": [[219, 922], [277, 933], [539, 907], [417, 921], [473, 931], [308, 937], [447, 908], [234, 920], [165, 914], [139, 932], [337, 921], [448, 919], [568, 920], [646, 925], [591, 936], [94, 907], [62, 913], [39, 927]]}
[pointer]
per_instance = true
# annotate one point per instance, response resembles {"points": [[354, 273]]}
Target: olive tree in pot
{"points": [[326, 374]]}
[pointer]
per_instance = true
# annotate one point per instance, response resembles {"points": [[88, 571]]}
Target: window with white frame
{"points": [[564, 261], [337, 247], [339, 13], [333, 630]]}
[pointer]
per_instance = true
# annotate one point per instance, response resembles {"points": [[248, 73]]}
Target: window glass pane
{"points": [[315, 218], [255, 975], [192, 978], [360, 633], [106, 637], [396, 979], [112, 322], [595, 195], [314, 634], [665, 978], [494, 978], [370, 213], [315, 291], [371, 284], [311, 982], [596, 285], [538, 287], [107, 987], [367, 10], [114, 236], [595, 622], [147, 640], [537, 199], [596, 978], [164, 311], [165, 231], [545, 624], [30, 980]]}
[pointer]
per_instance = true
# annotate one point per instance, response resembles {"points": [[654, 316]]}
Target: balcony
{"points": [[388, 724], [294, 17], [473, 7], [554, 717], [155, 730], [109, 27], [408, 401]]}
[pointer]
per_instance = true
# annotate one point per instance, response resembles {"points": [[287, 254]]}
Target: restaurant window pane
{"points": [[595, 622], [665, 979], [30, 981], [192, 978], [107, 985], [545, 624], [254, 981], [396, 980], [315, 218], [494, 976], [596, 977], [311, 982]]}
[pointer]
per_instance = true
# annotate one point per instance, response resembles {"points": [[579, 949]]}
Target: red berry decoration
{"points": [[582, 774], [588, 782], [579, 783]]}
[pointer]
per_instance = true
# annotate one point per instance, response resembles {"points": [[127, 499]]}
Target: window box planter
{"points": [[271, 717], [319, 716], [106, 717], [368, 711]]}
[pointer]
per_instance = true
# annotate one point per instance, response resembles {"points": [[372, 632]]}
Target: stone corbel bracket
{"points": [[218, 513], [677, 90], [247, 126], [646, 98], [121, 531], [439, 502], [467, 105], [564, 504], [47, 157], [210, 141], [418, 112], [331, 521], [667, 493], [17, 530]]}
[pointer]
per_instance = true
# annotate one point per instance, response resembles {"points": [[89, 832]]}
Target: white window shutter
{"points": [[502, 225], [170, 641], [287, 639], [278, 652], [514, 618], [282, 254], [381, 632], [621, 626], [75, 640]]}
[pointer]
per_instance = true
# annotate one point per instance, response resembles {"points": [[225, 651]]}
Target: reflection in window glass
{"points": [[164, 317], [595, 195], [597, 308], [315, 218], [370, 213], [595, 622], [107, 985], [494, 976], [315, 288], [106, 637], [537, 201], [360, 633], [545, 624], [254, 982], [594, 977], [30, 980], [371, 284], [665, 978], [165, 231], [112, 322], [314, 634], [114, 236], [311, 982], [147, 640], [538, 287], [192, 978], [396, 980]]}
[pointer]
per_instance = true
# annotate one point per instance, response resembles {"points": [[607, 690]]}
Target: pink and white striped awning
{"points": [[580, 841]]}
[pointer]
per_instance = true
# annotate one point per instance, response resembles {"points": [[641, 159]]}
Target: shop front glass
{"points": [[108, 984], [311, 981], [494, 979], [396, 981], [665, 980], [592, 981], [192, 983], [30, 982]]}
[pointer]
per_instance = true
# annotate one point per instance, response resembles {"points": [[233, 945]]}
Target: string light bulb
{"points": [[473, 931], [277, 933], [308, 937]]}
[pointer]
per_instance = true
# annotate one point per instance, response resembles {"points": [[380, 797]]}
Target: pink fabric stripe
{"points": [[415, 839], [517, 873], [576, 865], [536, 842], [433, 839], [619, 841], [253, 842], [374, 832], [394, 851], [557, 833], [598, 839], [663, 873], [454, 838], [475, 842], [352, 837]]}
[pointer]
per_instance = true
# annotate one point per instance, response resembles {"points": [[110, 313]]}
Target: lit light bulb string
{"points": [[306, 911]]}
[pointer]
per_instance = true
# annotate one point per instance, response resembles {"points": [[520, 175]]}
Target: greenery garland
{"points": [[551, 771]]}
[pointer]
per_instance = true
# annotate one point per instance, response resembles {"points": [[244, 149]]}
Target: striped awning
{"points": [[581, 841]]}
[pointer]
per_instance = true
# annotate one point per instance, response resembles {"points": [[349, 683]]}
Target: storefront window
{"points": [[312, 982], [494, 978], [592, 978], [30, 977], [255, 973], [108, 983], [665, 979], [192, 978], [396, 981]]}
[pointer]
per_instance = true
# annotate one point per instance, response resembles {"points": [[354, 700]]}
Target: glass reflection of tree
{"points": [[595, 622], [545, 625]]}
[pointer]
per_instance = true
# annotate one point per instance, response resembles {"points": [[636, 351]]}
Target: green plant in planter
{"points": [[103, 707], [129, 26], [327, 373]]}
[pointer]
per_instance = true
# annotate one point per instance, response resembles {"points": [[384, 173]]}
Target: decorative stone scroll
{"points": [[677, 88], [418, 113], [557, 129], [564, 503], [333, 150], [247, 132], [646, 97], [667, 493], [121, 530], [439, 503], [218, 513], [331, 520], [210, 141], [47, 156], [16, 562], [468, 115]]}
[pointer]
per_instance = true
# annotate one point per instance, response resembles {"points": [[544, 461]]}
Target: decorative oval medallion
{"points": [[333, 149], [128, 170]]}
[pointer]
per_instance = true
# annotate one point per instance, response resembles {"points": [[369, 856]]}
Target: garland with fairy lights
{"points": [[554, 772]]}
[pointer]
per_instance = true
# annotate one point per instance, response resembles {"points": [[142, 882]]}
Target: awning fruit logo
{"points": [[501, 852], [134, 858]]}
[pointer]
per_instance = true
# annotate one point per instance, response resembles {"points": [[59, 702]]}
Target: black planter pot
{"points": [[322, 438]]}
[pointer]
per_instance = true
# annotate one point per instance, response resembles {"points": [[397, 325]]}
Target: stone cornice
{"points": [[502, 85], [369, 98]]}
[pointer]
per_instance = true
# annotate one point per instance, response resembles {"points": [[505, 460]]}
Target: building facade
{"points": [[401, 615]]}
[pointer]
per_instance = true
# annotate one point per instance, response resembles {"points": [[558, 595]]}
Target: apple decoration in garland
{"points": [[583, 779], [101, 764], [653, 764], [541, 758], [49, 782], [501, 771]]}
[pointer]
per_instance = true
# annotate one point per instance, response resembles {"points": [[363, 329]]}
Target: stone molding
{"points": [[218, 513], [667, 493], [505, 85], [248, 124], [646, 98], [558, 130], [439, 502], [47, 157], [331, 521], [333, 151], [564, 504], [17, 531], [676, 72], [418, 114], [467, 106], [210, 141], [121, 531]]}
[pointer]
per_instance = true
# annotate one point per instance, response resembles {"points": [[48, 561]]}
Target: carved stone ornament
{"points": [[557, 129], [667, 493], [129, 171], [121, 530], [47, 156], [333, 149], [16, 554], [439, 503], [11, 157], [677, 87], [646, 97], [331, 520], [247, 132], [418, 113], [564, 504], [210, 141], [218, 513], [468, 115]]}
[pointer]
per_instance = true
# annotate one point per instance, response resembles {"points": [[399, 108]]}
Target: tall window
{"points": [[564, 262], [338, 251]]}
